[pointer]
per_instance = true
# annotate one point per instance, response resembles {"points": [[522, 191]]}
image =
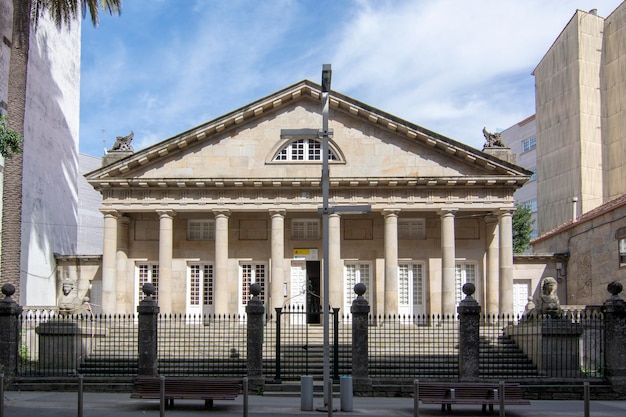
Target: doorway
{"points": [[313, 299]]}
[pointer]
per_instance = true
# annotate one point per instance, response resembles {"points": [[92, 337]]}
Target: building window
{"points": [[532, 204], [305, 229], [412, 229], [534, 176], [201, 230], [200, 284], [622, 252], [304, 150], [252, 273], [529, 144], [354, 273], [411, 284], [464, 273], [147, 273]]}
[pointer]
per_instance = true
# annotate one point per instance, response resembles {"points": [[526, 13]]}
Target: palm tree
{"points": [[26, 15]]}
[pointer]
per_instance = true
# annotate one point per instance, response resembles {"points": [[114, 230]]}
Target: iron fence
{"points": [[413, 347]]}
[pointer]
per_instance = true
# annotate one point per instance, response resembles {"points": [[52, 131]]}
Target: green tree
{"points": [[26, 14], [522, 227]]}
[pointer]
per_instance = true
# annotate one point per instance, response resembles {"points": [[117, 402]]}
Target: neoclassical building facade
{"points": [[236, 200]]}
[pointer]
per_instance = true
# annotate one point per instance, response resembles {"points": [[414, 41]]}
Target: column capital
{"points": [[277, 212], [504, 211], [166, 213], [447, 211], [110, 213], [221, 212], [390, 212]]}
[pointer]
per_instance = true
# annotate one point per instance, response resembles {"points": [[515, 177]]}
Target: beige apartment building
{"points": [[236, 200], [581, 119]]}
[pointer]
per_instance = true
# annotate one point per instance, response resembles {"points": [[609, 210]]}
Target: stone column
{"points": [[469, 335], [493, 264], [125, 294], [147, 333], [278, 254], [254, 311], [9, 331], [360, 362], [221, 261], [166, 241], [391, 261], [109, 263], [335, 289], [506, 262], [614, 310], [448, 262]]}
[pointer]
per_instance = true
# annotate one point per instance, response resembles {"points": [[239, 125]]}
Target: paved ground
{"points": [[57, 404]]}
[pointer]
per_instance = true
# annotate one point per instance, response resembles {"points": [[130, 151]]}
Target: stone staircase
{"points": [[422, 352]]}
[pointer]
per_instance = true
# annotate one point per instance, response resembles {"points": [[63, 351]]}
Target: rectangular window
{"points": [[464, 273], [148, 273], [200, 284], [534, 176], [355, 273], [532, 204], [622, 252], [252, 273], [529, 144], [412, 229], [201, 230], [305, 229]]}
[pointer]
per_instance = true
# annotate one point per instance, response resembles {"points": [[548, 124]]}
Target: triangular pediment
{"points": [[372, 147]]}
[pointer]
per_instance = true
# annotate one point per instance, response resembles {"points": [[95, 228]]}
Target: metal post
{"points": [[245, 396], [416, 398], [80, 396], [586, 395], [277, 378], [1, 395], [162, 396], [336, 344], [502, 394], [326, 79]]}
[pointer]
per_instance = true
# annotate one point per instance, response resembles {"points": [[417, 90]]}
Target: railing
{"points": [[421, 347]]}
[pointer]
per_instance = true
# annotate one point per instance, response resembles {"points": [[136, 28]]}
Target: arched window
{"points": [[304, 150]]}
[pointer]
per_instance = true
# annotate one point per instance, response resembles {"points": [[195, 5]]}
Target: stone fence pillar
{"points": [[148, 309], [9, 331], [614, 310], [255, 311], [360, 362], [469, 337]]}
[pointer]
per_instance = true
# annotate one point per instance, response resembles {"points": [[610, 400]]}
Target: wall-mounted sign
{"points": [[305, 254]]}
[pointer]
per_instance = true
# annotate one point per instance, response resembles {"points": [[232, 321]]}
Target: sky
{"points": [[450, 66]]}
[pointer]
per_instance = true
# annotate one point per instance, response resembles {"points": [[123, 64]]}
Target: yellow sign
{"points": [[305, 254]]}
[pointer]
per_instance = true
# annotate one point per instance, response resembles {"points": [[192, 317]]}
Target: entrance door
{"points": [[521, 292], [250, 273], [411, 289], [313, 304], [200, 289]]}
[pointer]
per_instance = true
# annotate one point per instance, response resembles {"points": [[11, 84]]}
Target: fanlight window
{"points": [[304, 150]]}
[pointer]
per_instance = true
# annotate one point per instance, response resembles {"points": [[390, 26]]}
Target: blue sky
{"points": [[451, 66]]}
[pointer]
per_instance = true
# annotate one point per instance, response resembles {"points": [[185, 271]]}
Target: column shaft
{"points": [[278, 254], [109, 264], [448, 258], [125, 293], [221, 262], [166, 240], [506, 263], [391, 261], [493, 265]]}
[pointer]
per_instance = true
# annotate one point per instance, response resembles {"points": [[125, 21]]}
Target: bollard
{"points": [[80, 396], [586, 395], [1, 395], [245, 396], [162, 396], [416, 398], [345, 388], [306, 393]]}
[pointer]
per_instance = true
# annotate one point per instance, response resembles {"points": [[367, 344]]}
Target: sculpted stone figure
{"points": [[72, 299], [492, 139], [548, 301], [122, 143]]}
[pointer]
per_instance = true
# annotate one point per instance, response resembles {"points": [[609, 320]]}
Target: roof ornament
{"points": [[122, 143], [493, 140]]}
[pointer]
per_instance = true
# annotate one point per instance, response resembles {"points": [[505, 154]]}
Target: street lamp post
{"points": [[326, 211]]}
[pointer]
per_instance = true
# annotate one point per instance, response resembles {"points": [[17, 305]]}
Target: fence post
{"points": [[148, 360], [9, 331], [360, 362], [336, 345], [469, 337], [254, 312], [614, 310]]}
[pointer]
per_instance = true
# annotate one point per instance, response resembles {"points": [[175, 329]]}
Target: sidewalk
{"points": [[64, 404]]}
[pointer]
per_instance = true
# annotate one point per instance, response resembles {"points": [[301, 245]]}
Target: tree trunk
{"points": [[16, 106]]}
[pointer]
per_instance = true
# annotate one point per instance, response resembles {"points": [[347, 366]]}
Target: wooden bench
{"points": [[486, 394], [194, 388]]}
